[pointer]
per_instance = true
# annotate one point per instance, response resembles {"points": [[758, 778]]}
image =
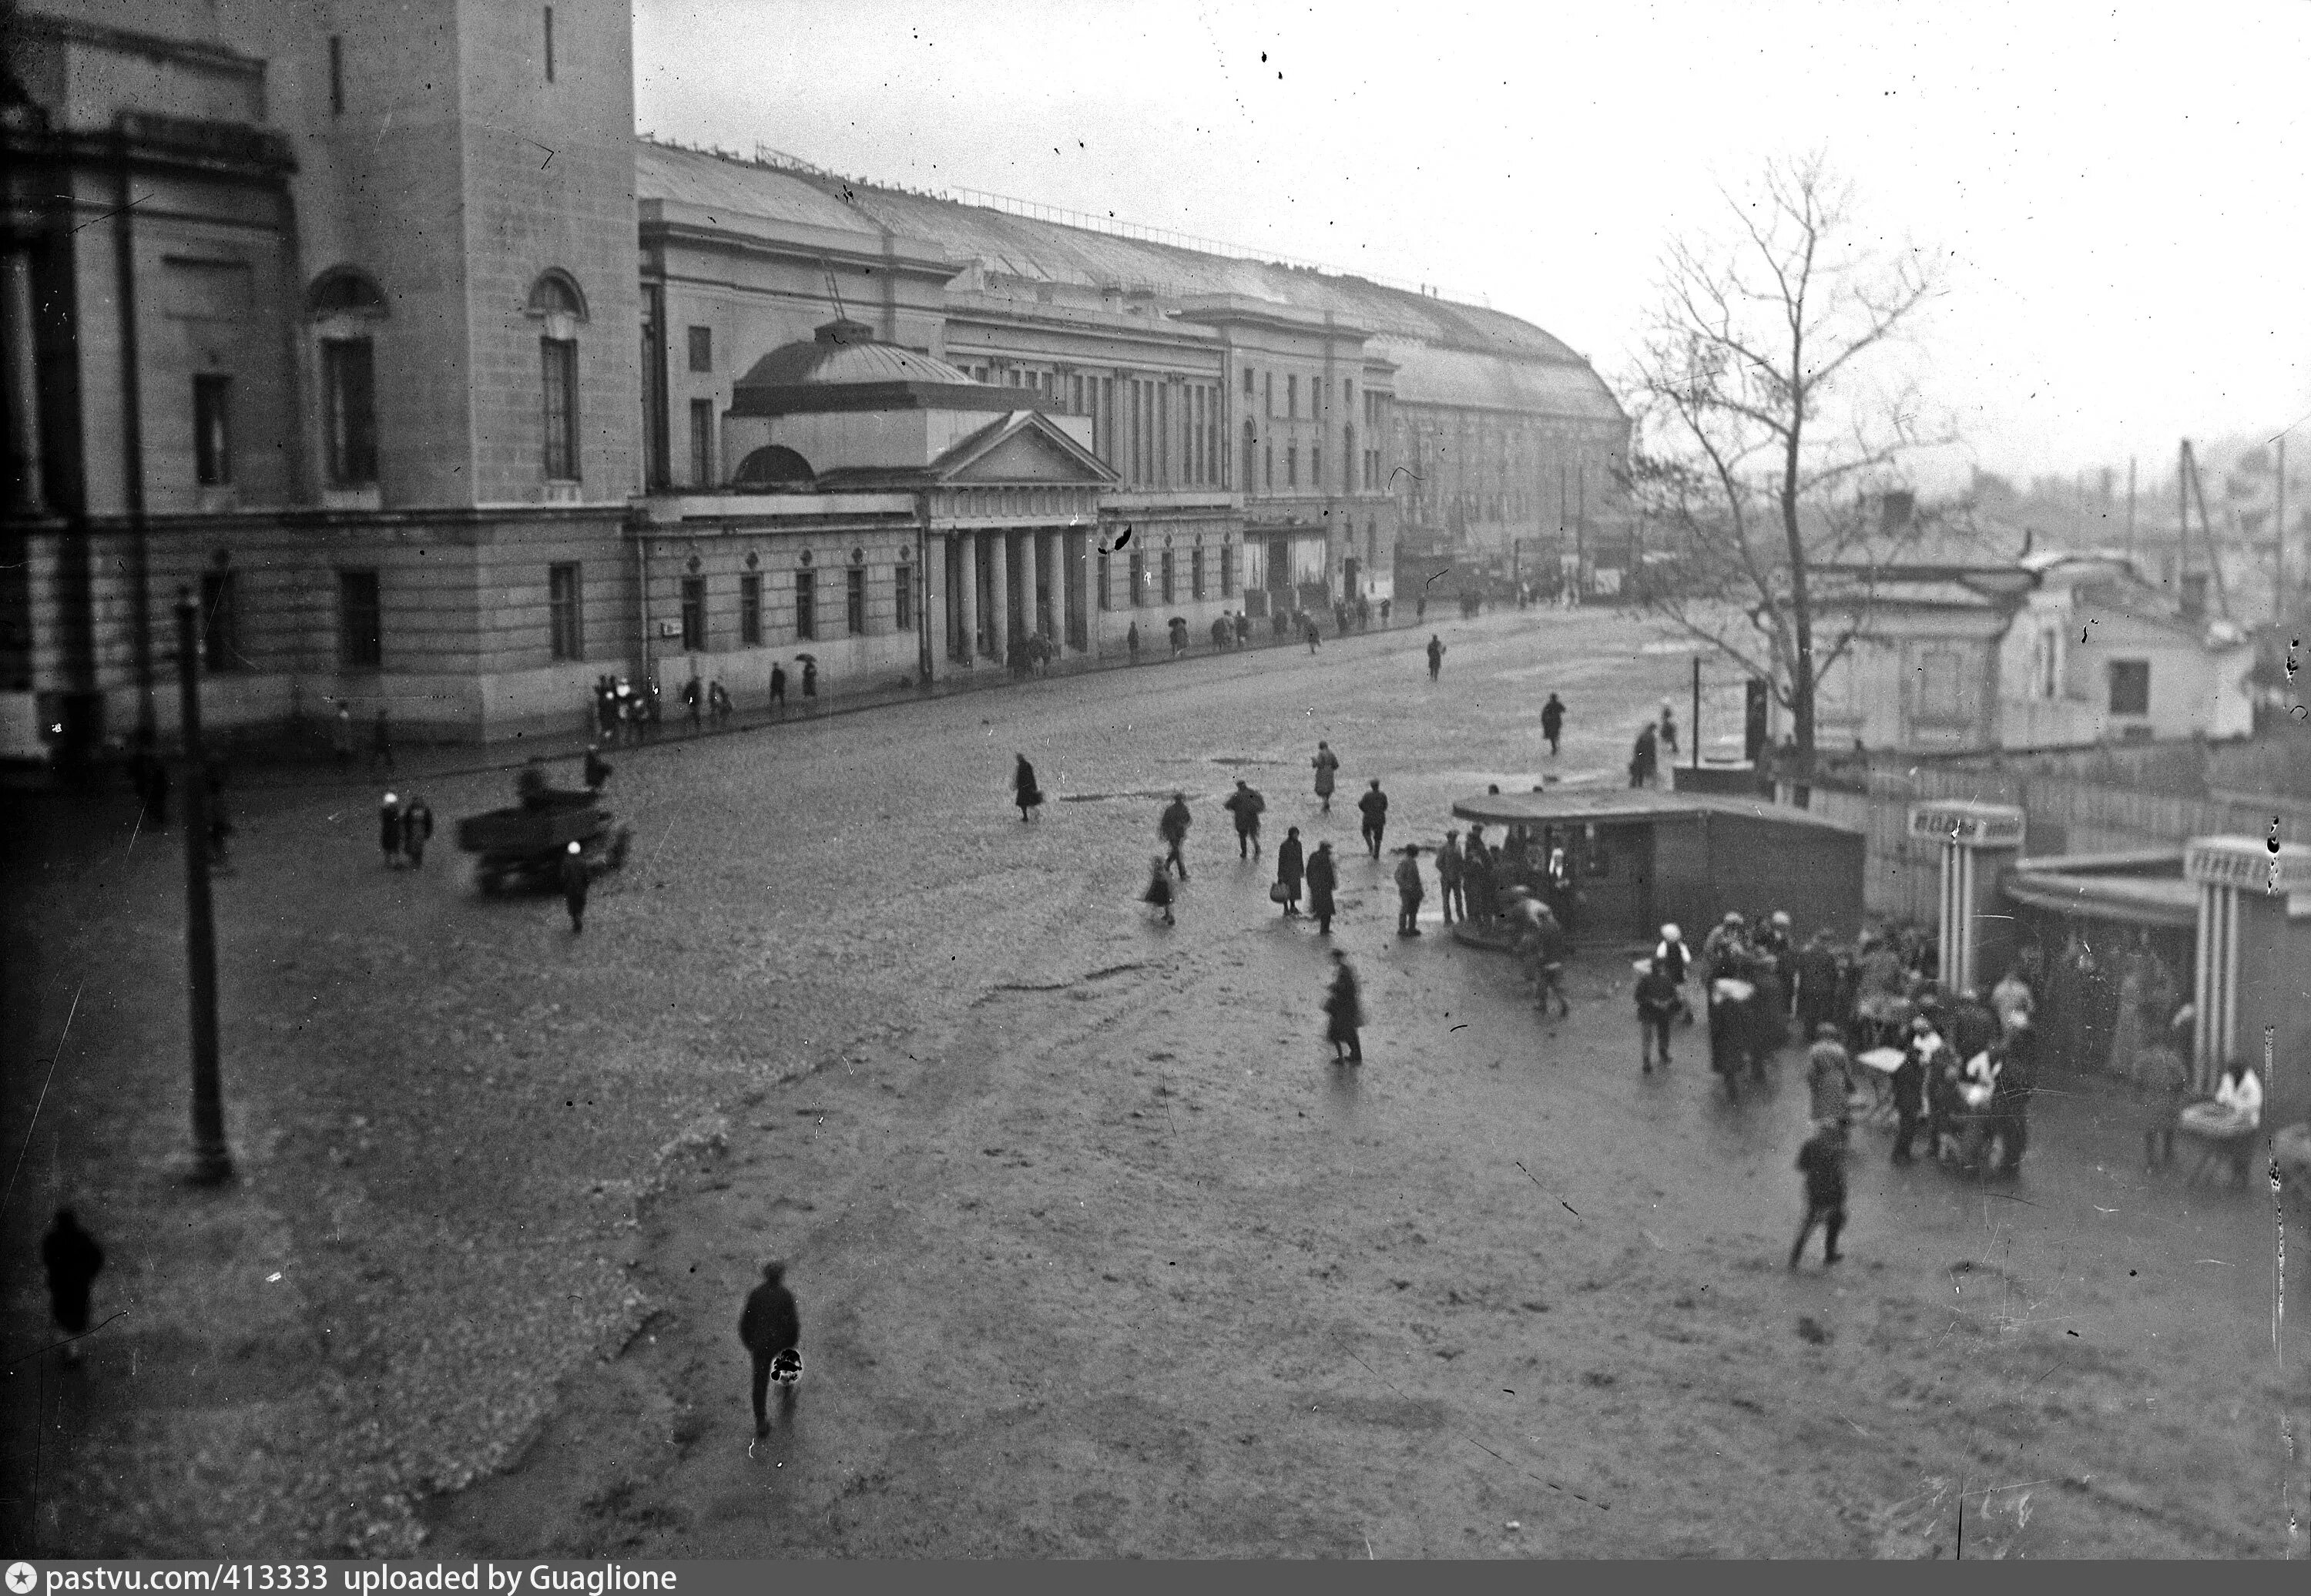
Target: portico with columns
{"points": [[1979, 840]]}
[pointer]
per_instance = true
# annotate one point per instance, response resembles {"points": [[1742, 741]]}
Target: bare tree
{"points": [[1761, 435]]}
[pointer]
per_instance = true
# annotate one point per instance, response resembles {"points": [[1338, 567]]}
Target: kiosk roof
{"points": [[1626, 805]]}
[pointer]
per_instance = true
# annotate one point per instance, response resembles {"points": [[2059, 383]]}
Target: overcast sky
{"points": [[2123, 192]]}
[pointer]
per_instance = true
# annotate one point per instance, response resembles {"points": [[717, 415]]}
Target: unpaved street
{"points": [[1096, 1253]]}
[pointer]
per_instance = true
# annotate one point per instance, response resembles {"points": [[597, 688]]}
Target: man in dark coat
{"points": [[1552, 722], [767, 1327], [779, 687], [1822, 1160], [1435, 656], [810, 678], [1448, 864], [1657, 1004], [597, 769], [1246, 805], [1644, 758], [1374, 806], [1817, 984], [2010, 1097], [1323, 876], [1024, 790], [388, 828], [1290, 868], [1911, 1079], [1312, 638], [691, 696], [72, 1259], [1174, 829], [575, 881]]}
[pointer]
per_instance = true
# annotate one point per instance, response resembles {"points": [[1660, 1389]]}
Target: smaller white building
{"points": [[2098, 654]]}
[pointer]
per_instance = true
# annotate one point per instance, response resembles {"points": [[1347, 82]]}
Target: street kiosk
{"points": [[1640, 858]]}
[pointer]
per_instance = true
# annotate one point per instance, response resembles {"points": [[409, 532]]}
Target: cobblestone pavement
{"points": [[1096, 1253]]}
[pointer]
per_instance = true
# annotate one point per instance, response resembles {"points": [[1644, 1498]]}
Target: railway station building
{"points": [[379, 329]]}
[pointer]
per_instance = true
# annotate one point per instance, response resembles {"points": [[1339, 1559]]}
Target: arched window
{"points": [[344, 291], [344, 303], [556, 293], [774, 465]]}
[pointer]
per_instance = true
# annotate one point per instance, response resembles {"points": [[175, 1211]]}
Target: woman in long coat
{"points": [[1344, 1013], [1290, 866], [1024, 790], [1326, 762]]}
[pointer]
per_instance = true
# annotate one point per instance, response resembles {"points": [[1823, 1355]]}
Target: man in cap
{"points": [[1408, 892], [767, 1327], [1375, 807]]}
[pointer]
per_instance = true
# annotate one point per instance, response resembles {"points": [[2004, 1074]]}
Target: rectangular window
{"points": [[693, 614], [2129, 687], [1347, 393], [1291, 398], [1106, 594], [1268, 394], [566, 616], [1247, 382], [558, 363], [1315, 466], [349, 411], [1076, 396], [1168, 579], [1227, 570], [902, 594], [1291, 465], [1107, 418], [1269, 478], [854, 600], [702, 443], [1164, 432], [212, 430], [750, 609], [549, 44], [805, 604], [1138, 578], [336, 74], [1196, 574], [1940, 696], [361, 620], [220, 621], [702, 349]]}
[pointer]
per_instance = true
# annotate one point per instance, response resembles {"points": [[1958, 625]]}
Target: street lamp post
{"points": [[212, 1164]]}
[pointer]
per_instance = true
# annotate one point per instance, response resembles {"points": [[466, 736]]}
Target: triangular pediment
{"points": [[1024, 446]]}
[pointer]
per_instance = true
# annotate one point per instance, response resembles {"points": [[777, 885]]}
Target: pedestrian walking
{"points": [[1374, 806], [1172, 827], [341, 736], [73, 1260], [1550, 950], [690, 705], [597, 769], [2010, 1098], [1246, 805], [1822, 1161], [1024, 790], [1669, 728], [1313, 640], [1344, 1012], [1449, 866], [575, 880], [1420, 608], [1818, 983], [1435, 656], [1384, 605], [1552, 722], [1657, 1004], [1242, 629], [717, 701], [1644, 757], [1158, 894], [779, 689], [1408, 892], [1327, 765], [1291, 869], [653, 712], [770, 1329], [809, 677], [380, 746], [416, 831], [1829, 1080], [1131, 641], [1323, 876], [388, 829]]}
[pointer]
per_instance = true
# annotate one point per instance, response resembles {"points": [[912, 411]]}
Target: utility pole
{"points": [[212, 1164]]}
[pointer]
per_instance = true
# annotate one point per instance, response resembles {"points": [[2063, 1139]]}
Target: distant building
{"points": [[342, 324]]}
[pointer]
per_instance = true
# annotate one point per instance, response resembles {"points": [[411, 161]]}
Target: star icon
{"points": [[21, 1578]]}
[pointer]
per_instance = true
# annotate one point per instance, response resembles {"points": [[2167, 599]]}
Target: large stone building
{"points": [[329, 310]]}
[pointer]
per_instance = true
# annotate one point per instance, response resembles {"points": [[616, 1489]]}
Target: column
{"points": [[2247, 956], [1063, 576], [969, 597], [1979, 840], [998, 593], [16, 336]]}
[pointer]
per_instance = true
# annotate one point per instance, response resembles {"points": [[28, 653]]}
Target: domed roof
{"points": [[845, 353]]}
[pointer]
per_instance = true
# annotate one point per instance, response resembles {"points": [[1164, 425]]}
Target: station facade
{"points": [[377, 328]]}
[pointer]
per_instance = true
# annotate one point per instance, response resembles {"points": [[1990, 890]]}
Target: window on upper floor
{"points": [[2129, 687], [336, 74], [1251, 456], [558, 386], [702, 443], [212, 430], [702, 349], [348, 412], [1247, 382], [1291, 398], [1942, 684], [1291, 465], [549, 44]]}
